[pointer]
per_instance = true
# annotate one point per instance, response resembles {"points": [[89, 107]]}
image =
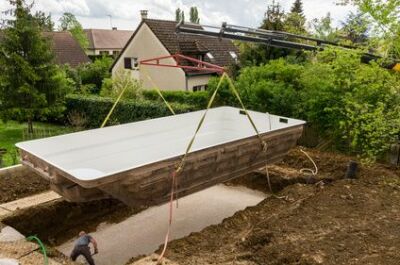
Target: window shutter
{"points": [[128, 63]]}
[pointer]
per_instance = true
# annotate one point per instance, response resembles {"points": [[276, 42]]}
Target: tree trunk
{"points": [[30, 126]]}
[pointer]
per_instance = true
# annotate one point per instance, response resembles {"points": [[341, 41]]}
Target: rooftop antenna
{"points": [[111, 24]]}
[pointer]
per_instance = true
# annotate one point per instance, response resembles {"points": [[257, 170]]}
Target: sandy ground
{"points": [[143, 233]]}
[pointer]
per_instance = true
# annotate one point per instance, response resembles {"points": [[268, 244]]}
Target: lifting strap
{"points": [[113, 107], [181, 165], [126, 87], [158, 90]]}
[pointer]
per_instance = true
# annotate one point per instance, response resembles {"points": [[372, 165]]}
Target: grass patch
{"points": [[13, 132]]}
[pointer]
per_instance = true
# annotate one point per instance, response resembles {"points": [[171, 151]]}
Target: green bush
{"points": [[224, 97], [112, 87], [95, 109], [273, 87], [92, 74], [198, 99], [353, 104]]}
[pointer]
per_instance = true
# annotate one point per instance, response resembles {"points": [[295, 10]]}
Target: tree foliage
{"points": [[384, 22], [323, 28], [31, 85], [68, 22], [296, 20], [274, 17], [44, 21], [356, 105], [355, 29], [194, 15], [91, 76], [179, 15], [122, 81]]}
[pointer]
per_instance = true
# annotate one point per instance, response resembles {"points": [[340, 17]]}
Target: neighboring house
{"points": [[108, 42], [156, 38], [66, 49]]}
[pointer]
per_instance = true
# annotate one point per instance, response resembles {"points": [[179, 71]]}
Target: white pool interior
{"points": [[94, 154]]}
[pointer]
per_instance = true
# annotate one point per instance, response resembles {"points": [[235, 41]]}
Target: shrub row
{"points": [[197, 99], [94, 109]]}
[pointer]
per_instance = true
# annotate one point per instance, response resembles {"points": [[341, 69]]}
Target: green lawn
{"points": [[13, 132]]}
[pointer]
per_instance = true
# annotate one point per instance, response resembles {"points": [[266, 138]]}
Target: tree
{"points": [[384, 22], [44, 21], [274, 17], [297, 7], [179, 15], [296, 20], [194, 15], [355, 29], [31, 85], [92, 75], [323, 28], [68, 22]]}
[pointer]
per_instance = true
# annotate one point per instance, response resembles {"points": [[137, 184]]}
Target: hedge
{"points": [[94, 109], [198, 99]]}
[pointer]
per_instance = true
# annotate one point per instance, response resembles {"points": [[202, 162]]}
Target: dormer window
{"points": [[233, 55]]}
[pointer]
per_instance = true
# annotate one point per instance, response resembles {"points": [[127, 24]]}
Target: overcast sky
{"points": [[125, 13]]}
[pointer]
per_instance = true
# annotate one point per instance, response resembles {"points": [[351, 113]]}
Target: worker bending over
{"points": [[82, 247]]}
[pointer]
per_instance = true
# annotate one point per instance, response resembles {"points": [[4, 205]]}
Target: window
{"points": [[115, 53], [131, 63], [200, 88], [233, 55], [104, 53]]}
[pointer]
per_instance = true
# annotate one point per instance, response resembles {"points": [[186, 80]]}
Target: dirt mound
{"points": [[343, 222], [15, 186]]}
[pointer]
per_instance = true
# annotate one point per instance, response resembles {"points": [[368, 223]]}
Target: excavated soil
{"points": [[13, 187], [330, 222]]}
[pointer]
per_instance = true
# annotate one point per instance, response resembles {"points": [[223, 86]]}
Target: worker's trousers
{"points": [[84, 251]]}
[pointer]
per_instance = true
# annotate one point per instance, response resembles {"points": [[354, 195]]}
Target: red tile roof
{"points": [[66, 49], [107, 38], [165, 31]]}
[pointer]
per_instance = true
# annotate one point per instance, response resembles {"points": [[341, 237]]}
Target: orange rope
{"points": [[171, 213]]}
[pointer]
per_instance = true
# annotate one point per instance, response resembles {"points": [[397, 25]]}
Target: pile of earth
{"points": [[329, 222], [16, 186]]}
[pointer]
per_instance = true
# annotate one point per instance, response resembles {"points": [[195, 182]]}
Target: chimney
{"points": [[114, 28], [144, 13]]}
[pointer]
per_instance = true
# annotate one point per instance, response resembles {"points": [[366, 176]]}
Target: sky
{"points": [[125, 14]]}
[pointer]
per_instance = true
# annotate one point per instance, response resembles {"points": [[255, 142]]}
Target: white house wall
{"points": [[145, 45], [199, 80]]}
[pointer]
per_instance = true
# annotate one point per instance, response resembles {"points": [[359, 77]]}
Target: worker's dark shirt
{"points": [[83, 241]]}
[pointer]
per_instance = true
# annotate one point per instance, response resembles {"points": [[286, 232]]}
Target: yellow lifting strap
{"points": [[146, 73], [158, 90], [235, 92], [113, 107], [211, 101]]}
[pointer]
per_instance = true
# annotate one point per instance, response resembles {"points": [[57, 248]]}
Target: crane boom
{"points": [[278, 39]]}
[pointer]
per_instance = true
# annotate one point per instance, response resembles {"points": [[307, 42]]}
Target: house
{"points": [[106, 42], [155, 38], [66, 49]]}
